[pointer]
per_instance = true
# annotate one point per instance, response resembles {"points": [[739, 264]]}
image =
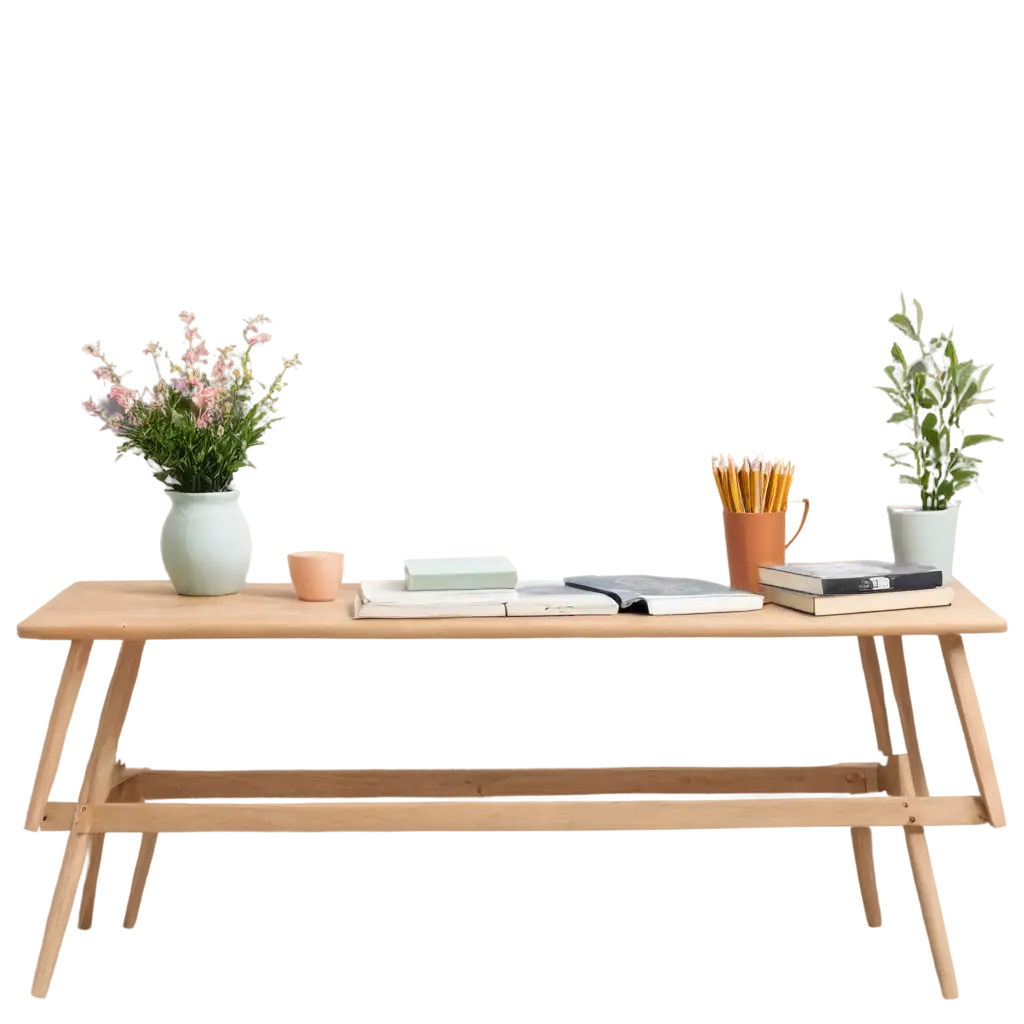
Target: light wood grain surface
{"points": [[146, 608]]}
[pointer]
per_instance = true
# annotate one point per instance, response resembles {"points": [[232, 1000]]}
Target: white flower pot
{"points": [[925, 536], [206, 544]]}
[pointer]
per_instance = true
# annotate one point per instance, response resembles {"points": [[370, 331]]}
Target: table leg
{"points": [[876, 692], [891, 674], [60, 911], [97, 778], [941, 954], [130, 910], [986, 775], [863, 850], [115, 883], [60, 718], [901, 691], [105, 768], [859, 842]]}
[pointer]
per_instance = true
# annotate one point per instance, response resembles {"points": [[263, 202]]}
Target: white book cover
{"points": [[544, 597], [366, 610], [394, 594]]}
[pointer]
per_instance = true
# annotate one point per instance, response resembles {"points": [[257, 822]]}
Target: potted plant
{"points": [[931, 393], [196, 428]]}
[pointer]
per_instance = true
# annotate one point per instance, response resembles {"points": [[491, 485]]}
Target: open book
{"points": [[555, 598], [668, 595]]}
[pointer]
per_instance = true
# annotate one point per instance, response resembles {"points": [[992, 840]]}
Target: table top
{"points": [[151, 610]]}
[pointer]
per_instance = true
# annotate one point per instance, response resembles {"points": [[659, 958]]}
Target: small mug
{"points": [[753, 539], [316, 575]]}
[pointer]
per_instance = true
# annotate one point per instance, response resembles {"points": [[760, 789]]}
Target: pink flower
{"points": [[151, 349], [195, 352], [124, 397], [206, 401], [224, 361], [92, 350], [179, 384], [208, 396], [255, 333], [194, 382], [91, 408], [103, 373]]}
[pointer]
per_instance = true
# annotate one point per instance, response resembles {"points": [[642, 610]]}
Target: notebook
{"points": [[845, 604], [668, 595], [850, 577], [365, 610], [459, 573], [388, 599], [544, 597]]}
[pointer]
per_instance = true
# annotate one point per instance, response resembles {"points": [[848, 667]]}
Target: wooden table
{"points": [[114, 798]]}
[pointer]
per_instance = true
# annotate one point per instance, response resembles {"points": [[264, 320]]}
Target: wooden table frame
{"points": [[114, 798]]}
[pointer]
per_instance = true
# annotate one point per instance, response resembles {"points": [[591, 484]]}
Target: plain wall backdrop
{"points": [[148, 158]]}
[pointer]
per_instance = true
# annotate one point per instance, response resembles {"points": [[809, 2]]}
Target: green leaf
{"points": [[920, 314], [977, 438], [897, 354], [965, 399], [932, 386], [903, 304], [890, 372], [928, 423], [904, 479], [951, 356], [945, 490], [899, 321], [898, 417], [983, 375]]}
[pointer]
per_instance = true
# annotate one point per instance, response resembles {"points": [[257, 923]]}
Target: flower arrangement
{"points": [[931, 394], [197, 426]]}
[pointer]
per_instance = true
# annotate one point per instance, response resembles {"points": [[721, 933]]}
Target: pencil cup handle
{"points": [[799, 521]]}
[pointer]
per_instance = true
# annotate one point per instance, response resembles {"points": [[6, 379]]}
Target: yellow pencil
{"points": [[773, 488], [769, 484], [754, 485], [722, 472], [788, 484], [734, 486]]}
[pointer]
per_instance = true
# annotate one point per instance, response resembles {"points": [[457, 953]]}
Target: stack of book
{"points": [[838, 588], [439, 588]]}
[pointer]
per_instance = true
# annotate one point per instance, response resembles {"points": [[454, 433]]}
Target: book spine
{"points": [[882, 584]]}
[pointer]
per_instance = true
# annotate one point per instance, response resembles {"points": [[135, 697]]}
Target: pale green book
{"points": [[490, 573]]}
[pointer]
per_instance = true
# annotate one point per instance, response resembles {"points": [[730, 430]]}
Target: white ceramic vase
{"points": [[206, 544], [925, 536]]}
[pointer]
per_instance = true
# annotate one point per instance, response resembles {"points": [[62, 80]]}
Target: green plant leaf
{"points": [[897, 354], [977, 438], [920, 315], [904, 479], [898, 417], [903, 304], [899, 321]]}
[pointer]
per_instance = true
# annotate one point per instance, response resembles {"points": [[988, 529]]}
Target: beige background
{"points": [[148, 158]]}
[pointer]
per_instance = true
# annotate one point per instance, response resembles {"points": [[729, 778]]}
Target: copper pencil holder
{"points": [[753, 539]]}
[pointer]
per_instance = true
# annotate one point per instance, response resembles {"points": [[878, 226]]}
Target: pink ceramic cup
{"points": [[316, 575]]}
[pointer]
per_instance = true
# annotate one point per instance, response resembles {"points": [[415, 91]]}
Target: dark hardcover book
{"points": [[824, 578]]}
